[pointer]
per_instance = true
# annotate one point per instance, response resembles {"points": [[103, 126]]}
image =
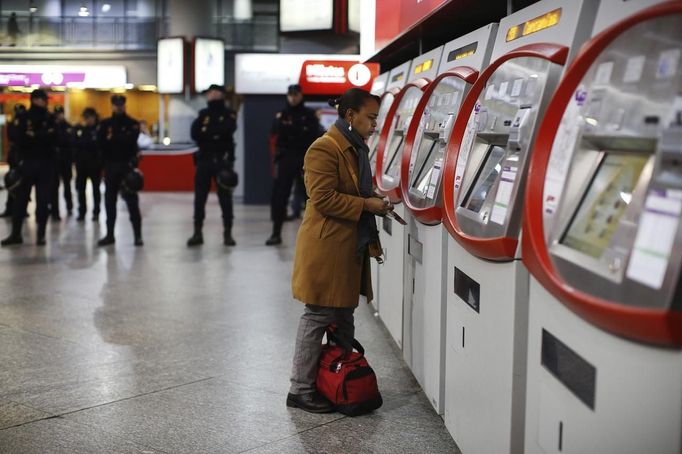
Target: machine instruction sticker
{"points": [[489, 92], [465, 147], [667, 64], [604, 71], [517, 87], [504, 195], [503, 88], [634, 69], [655, 238], [561, 155]]}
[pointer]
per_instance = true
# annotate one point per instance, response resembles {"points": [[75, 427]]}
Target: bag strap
{"points": [[347, 346]]}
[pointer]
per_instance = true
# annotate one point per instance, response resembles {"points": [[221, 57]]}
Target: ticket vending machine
{"points": [[387, 178], [602, 237], [378, 88], [483, 185], [397, 77], [420, 178]]}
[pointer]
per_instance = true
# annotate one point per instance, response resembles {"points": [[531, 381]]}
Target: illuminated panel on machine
{"points": [[425, 66], [540, 23], [463, 52], [397, 77]]}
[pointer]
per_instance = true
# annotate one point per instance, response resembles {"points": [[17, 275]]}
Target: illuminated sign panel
{"points": [[170, 65], [331, 77], [425, 66], [463, 52], [209, 63], [397, 77], [547, 20], [303, 15]]}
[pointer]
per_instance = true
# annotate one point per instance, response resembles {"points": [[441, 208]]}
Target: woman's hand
{"points": [[377, 206]]}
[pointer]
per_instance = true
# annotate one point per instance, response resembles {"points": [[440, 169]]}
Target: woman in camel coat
{"points": [[336, 239]]}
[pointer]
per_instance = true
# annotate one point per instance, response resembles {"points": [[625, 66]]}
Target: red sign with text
{"points": [[334, 77]]}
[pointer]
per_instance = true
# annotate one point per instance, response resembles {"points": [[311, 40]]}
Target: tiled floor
{"points": [[165, 349]]}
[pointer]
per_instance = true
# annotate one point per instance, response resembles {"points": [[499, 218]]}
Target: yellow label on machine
{"points": [[537, 24]]}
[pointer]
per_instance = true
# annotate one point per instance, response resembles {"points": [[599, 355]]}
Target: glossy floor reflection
{"points": [[165, 349]]}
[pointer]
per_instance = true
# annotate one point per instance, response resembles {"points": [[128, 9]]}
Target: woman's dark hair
{"points": [[353, 98]]}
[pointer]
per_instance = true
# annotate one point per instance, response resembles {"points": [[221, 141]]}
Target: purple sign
{"points": [[46, 79]]}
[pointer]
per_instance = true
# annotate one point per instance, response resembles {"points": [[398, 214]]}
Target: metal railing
{"points": [[84, 32], [260, 34]]}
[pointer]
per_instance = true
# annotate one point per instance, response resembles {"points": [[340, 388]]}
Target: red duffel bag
{"points": [[345, 377]]}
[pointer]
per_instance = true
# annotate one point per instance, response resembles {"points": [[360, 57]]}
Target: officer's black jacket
{"points": [[86, 145], [64, 140], [296, 128], [213, 129], [35, 133], [117, 138]]}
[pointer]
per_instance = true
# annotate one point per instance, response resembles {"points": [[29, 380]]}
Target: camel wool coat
{"points": [[327, 269]]}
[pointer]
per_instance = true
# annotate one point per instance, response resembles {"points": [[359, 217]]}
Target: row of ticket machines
{"points": [[536, 290]]}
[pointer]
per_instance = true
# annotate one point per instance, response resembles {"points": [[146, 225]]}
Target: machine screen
{"points": [[424, 165], [393, 153], [482, 191], [401, 121], [604, 203]]}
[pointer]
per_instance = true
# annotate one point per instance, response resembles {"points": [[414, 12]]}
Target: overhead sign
{"points": [[62, 76], [209, 63], [334, 77], [305, 15], [272, 73], [170, 65]]}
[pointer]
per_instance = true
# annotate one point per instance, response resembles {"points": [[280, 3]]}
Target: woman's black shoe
{"points": [[310, 402], [274, 240]]}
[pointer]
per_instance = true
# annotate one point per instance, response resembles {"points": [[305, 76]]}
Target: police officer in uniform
{"points": [[88, 158], [12, 157], [213, 131], [63, 164], [296, 128], [117, 137], [35, 134]]}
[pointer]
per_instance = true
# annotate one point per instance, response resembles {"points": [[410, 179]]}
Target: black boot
{"points": [[227, 236], [137, 230], [107, 240], [310, 402], [197, 238], [40, 240], [14, 237], [276, 237]]}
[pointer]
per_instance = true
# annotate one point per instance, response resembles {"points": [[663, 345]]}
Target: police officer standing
{"points": [[296, 128], [35, 134], [88, 162], [213, 131], [63, 164], [117, 137], [12, 158]]}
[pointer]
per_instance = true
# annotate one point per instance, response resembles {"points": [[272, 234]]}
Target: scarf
{"points": [[367, 226]]}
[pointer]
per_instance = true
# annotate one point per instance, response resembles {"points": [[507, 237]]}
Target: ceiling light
{"points": [[32, 7], [106, 8], [83, 11]]}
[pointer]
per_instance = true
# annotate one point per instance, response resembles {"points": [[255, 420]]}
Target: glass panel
{"points": [[373, 140], [401, 122], [482, 193], [606, 199]]}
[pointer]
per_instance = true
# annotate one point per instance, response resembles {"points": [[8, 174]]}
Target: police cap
{"points": [[118, 100], [39, 94]]}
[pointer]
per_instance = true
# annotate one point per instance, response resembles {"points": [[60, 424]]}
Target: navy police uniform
{"points": [[117, 137], [296, 128], [35, 136], [63, 166], [213, 132], [88, 159], [12, 157]]}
